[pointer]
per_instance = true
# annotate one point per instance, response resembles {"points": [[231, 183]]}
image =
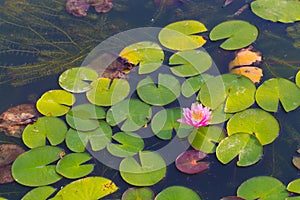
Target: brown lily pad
{"points": [[188, 162], [15, 119], [5, 174]]}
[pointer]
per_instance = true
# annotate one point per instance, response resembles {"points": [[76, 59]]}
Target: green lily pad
{"points": [[244, 145], [177, 192], [237, 92], [85, 117], [219, 116], [75, 79], [185, 32], [239, 33], [51, 128], [107, 93], [262, 188], [99, 138], [129, 144], [55, 102], [89, 188], [138, 193], [165, 121], [278, 89], [297, 79], [205, 138], [149, 170], [167, 91], [33, 168], [255, 121], [286, 11], [294, 186], [39, 193], [149, 56], [70, 166], [193, 84], [135, 113], [190, 63]]}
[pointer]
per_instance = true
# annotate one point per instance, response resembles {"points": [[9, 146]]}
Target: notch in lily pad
{"points": [[189, 162]]}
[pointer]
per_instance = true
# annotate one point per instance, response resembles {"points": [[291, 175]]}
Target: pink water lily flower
{"points": [[197, 116]]}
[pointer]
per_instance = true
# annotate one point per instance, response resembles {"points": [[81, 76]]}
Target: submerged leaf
{"points": [[188, 162], [8, 153]]}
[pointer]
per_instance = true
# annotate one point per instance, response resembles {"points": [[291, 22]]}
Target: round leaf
{"points": [[239, 33], [51, 128], [148, 55], [243, 145], [138, 193], [192, 85], [278, 89], [74, 79], [107, 92], [135, 113], [190, 63], [188, 162], [177, 192], [55, 102], [255, 121], [185, 32], [167, 91], [40, 193], [149, 170], [294, 186], [298, 79], [33, 168]]}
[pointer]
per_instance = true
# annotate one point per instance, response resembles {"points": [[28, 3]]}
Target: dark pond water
{"points": [[281, 59]]}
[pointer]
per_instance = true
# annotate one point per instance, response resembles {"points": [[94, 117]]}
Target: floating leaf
{"points": [[150, 170], [55, 102], [296, 162], [138, 193], [5, 174], [219, 116], [135, 113], [33, 168], [252, 72], [107, 93], [189, 162], [148, 55], [232, 198], [39, 193], [51, 128], [177, 192], [190, 63], [244, 145], [192, 85], [239, 33], [263, 188], [297, 79], [128, 144], [90, 188], [85, 117], [70, 166], [165, 121], [75, 79], [98, 138], [185, 32], [278, 89], [167, 91], [294, 186], [244, 57], [285, 11], [237, 93], [9, 152], [205, 138], [255, 121]]}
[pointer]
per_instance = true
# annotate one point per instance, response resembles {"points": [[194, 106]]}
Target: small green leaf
{"points": [[167, 91], [105, 93], [294, 186], [239, 33], [185, 32], [74, 79], [51, 128], [138, 193], [177, 192], [193, 84], [39, 193], [55, 102], [244, 145], [298, 78]]}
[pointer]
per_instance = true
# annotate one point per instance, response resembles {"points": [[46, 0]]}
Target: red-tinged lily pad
{"points": [[188, 162]]}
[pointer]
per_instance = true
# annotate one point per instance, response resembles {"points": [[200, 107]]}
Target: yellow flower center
{"points": [[197, 116]]}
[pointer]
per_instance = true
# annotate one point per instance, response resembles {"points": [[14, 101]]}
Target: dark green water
{"points": [[220, 180]]}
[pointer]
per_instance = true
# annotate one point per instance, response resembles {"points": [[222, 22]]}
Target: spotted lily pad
{"points": [[75, 79], [138, 193], [135, 113], [167, 91], [274, 90], [177, 192], [190, 63], [190, 162], [107, 93], [51, 128], [193, 84], [239, 34], [255, 121], [39, 193], [149, 56], [185, 32], [55, 102]]}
